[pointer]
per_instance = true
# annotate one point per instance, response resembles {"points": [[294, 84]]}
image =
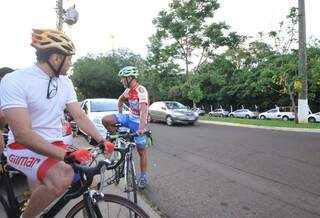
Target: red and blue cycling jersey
{"points": [[136, 96]]}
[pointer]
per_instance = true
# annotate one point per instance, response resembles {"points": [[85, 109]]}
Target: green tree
{"points": [[97, 76], [286, 63], [187, 34]]}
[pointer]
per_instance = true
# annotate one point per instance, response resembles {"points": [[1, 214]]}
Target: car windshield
{"points": [[175, 105], [102, 106]]}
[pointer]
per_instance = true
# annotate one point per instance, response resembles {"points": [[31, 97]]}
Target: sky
{"points": [[129, 22]]}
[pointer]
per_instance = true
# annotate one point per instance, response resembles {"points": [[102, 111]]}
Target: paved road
{"points": [[223, 171]]}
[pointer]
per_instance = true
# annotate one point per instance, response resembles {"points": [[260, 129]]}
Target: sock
{"points": [[143, 175]]}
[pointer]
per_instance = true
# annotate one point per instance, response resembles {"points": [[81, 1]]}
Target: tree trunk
{"points": [[291, 94]]}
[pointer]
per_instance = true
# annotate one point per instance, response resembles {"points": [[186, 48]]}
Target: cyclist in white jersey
{"points": [[33, 100]]}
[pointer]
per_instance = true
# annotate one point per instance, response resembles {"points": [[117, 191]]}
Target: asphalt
{"points": [[262, 127]]}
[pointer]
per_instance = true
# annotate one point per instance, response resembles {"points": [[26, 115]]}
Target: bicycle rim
{"points": [[110, 206], [131, 184]]}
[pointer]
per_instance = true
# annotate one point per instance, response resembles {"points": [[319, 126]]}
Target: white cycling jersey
{"points": [[27, 88]]}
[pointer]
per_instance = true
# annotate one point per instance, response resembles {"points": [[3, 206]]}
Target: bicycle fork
{"points": [[91, 204]]}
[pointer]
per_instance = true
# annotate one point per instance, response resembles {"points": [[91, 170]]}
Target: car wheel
{"points": [[312, 120], [191, 123], [263, 117], [285, 118], [169, 121], [231, 115], [221, 115], [210, 115], [247, 116]]}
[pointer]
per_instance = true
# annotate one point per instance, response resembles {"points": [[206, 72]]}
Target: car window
{"points": [[174, 105], [102, 106]]}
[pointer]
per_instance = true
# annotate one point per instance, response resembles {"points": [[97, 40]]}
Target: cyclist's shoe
{"points": [[142, 183]]}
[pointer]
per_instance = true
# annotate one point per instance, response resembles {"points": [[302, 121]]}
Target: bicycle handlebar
{"points": [[87, 173], [128, 136]]}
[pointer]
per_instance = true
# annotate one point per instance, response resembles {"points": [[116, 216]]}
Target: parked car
{"points": [[67, 133], [312, 118], [219, 113], [96, 108], [199, 111], [171, 112], [276, 113], [244, 113]]}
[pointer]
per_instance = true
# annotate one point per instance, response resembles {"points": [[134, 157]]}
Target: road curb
{"points": [[261, 127]]}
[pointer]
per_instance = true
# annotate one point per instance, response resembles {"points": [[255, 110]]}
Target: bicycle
{"points": [[126, 170], [93, 200]]}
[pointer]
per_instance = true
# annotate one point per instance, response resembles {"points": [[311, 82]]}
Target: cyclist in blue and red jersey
{"points": [[137, 96]]}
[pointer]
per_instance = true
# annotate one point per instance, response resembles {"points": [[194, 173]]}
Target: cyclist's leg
{"points": [[119, 118], [55, 183], [109, 121], [54, 176], [141, 142]]}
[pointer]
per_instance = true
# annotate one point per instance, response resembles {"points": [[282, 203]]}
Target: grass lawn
{"points": [[257, 122]]}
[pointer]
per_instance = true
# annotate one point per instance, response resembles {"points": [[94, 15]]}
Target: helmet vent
{"points": [[54, 38]]}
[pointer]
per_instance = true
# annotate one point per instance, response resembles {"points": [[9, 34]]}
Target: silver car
{"points": [[171, 112], [219, 113], [244, 113]]}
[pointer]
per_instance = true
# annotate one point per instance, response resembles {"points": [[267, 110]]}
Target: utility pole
{"points": [[303, 107], [112, 43], [60, 13]]}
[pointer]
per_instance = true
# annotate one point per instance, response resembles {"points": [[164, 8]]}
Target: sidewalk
{"points": [[262, 127]]}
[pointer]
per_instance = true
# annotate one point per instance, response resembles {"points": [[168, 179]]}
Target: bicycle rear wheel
{"points": [[109, 206]]}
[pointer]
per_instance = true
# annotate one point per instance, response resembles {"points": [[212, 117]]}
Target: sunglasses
{"points": [[52, 88]]}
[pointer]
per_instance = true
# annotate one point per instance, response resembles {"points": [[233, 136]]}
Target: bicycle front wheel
{"points": [[109, 206], [131, 182]]}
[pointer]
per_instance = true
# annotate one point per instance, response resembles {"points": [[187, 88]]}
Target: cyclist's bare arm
{"points": [[83, 121], [121, 101], [143, 107], [2, 121], [20, 124], [2, 124]]}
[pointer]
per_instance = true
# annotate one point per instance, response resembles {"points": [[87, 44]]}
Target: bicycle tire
{"points": [[130, 182], [113, 201]]}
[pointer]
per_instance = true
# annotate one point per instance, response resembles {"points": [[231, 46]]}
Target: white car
{"points": [[244, 113], [276, 113], [96, 109], [312, 118]]}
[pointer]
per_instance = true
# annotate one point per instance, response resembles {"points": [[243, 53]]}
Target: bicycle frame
{"points": [[11, 204], [77, 189]]}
